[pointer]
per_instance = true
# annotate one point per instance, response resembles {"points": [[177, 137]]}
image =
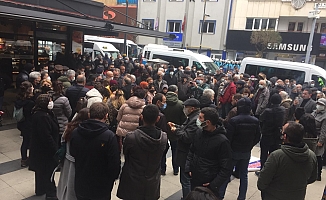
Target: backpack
{"points": [[18, 114], [81, 103]]}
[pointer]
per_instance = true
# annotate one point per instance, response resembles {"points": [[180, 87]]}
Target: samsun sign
{"points": [[287, 47]]}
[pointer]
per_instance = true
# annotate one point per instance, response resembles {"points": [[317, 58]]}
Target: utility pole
{"points": [[312, 31], [202, 27], [125, 50]]}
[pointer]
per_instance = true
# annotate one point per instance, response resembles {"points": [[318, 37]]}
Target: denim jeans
{"points": [[241, 160], [185, 183]]}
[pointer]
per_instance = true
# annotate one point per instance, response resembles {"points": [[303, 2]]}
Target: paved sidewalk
{"points": [[18, 183]]}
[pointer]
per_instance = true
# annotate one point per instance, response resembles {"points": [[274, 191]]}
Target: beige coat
{"points": [[128, 115]]}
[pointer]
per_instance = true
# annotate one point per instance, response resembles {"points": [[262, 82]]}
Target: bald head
{"points": [[109, 74], [81, 80]]}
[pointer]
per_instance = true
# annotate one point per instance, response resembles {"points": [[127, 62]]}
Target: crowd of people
{"points": [[87, 116]]}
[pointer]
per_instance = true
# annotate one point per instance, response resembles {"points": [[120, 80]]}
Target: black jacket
{"points": [[272, 120], [186, 134], [126, 91], [210, 159], [25, 125], [243, 132], [97, 157], [74, 93], [21, 77], [158, 87], [170, 80]]}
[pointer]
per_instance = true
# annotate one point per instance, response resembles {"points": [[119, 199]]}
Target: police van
{"points": [[301, 72]]}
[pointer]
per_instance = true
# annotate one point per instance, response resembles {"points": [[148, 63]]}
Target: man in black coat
{"points": [[243, 132], [185, 134], [170, 77], [97, 157], [272, 120], [209, 161], [24, 74]]}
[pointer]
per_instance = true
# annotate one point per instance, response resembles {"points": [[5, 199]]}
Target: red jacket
{"points": [[229, 92]]}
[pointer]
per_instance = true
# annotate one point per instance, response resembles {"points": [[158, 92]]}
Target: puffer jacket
{"points": [[210, 159], [62, 111], [93, 96], [320, 119], [287, 172], [128, 115]]}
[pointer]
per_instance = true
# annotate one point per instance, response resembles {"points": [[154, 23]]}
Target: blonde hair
{"points": [[44, 81], [117, 99]]}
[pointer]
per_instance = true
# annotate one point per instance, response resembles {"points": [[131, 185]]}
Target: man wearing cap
{"points": [[240, 86], [58, 71], [185, 134]]}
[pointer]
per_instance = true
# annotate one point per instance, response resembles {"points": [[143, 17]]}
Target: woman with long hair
{"points": [[61, 109], [44, 145], [66, 186], [25, 101]]}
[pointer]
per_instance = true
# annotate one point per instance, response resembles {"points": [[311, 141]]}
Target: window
{"points": [[129, 2], [316, 27], [174, 26], [300, 26], [148, 24], [280, 73], [173, 60], [261, 24], [208, 27], [291, 26], [149, 0], [323, 28]]}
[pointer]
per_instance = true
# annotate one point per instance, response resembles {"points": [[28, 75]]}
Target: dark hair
{"points": [[210, 114], [246, 90], [81, 116], [25, 90], [294, 132], [309, 124], [201, 193], [173, 88], [237, 96], [157, 97], [309, 90], [57, 87], [298, 113], [98, 110], [139, 92], [150, 114]]}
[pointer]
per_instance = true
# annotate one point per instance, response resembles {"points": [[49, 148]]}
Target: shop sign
{"points": [[174, 43], [320, 5], [287, 47]]}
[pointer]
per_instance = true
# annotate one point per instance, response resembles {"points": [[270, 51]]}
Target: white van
{"points": [[180, 57], [100, 48], [300, 72]]}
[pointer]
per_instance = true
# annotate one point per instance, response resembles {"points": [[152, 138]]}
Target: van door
{"points": [[319, 81], [198, 66]]}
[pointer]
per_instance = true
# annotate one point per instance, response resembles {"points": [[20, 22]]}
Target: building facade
{"points": [[290, 18], [186, 19]]}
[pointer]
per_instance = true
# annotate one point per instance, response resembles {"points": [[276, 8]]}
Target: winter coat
{"points": [[62, 111], [197, 92], [228, 93], [286, 103], [287, 172], [210, 159], [127, 91], [66, 185], [243, 132], [320, 119], [93, 96], [262, 101], [308, 108], [170, 80], [206, 102], [128, 115], [186, 134], [158, 87], [65, 81], [173, 112], [183, 91], [74, 93], [21, 77], [141, 177], [272, 120], [44, 140], [25, 125], [97, 159]]}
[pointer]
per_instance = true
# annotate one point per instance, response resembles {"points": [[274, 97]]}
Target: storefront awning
{"points": [[80, 22]]}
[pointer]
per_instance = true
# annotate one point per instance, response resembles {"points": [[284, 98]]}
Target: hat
{"points": [[58, 67], [42, 101], [28, 67], [165, 86], [143, 84], [280, 87], [246, 76], [65, 68], [322, 101], [276, 99], [113, 82], [240, 82], [192, 102]]}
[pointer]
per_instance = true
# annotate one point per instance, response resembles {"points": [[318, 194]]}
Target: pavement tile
{"points": [[17, 177], [4, 158], [9, 146], [10, 194]]}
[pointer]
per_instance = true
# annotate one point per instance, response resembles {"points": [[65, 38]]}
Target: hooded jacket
{"points": [[287, 172], [140, 177], [97, 159], [174, 112], [93, 96], [65, 81], [128, 115]]}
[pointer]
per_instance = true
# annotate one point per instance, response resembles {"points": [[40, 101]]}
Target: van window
{"points": [[147, 54], [278, 72], [319, 81], [173, 60], [96, 53], [198, 66]]}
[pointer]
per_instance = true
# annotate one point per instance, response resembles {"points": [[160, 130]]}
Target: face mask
{"points": [[312, 85], [73, 78], [276, 83], [261, 86], [48, 78], [199, 82], [50, 105], [320, 107], [245, 95], [171, 73], [222, 80], [89, 60], [200, 124], [84, 59], [151, 91], [164, 106]]}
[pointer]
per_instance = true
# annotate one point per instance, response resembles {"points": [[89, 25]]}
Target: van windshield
{"points": [[112, 53], [211, 66]]}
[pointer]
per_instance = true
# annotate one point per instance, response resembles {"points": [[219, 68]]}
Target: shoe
{"points": [[163, 173], [257, 173], [24, 163], [175, 173], [318, 178]]}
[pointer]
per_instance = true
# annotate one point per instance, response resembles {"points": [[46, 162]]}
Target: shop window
{"points": [[249, 23], [174, 26], [272, 24], [300, 27], [207, 27], [291, 26], [148, 24], [261, 24], [323, 28], [257, 24], [316, 28], [50, 51]]}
